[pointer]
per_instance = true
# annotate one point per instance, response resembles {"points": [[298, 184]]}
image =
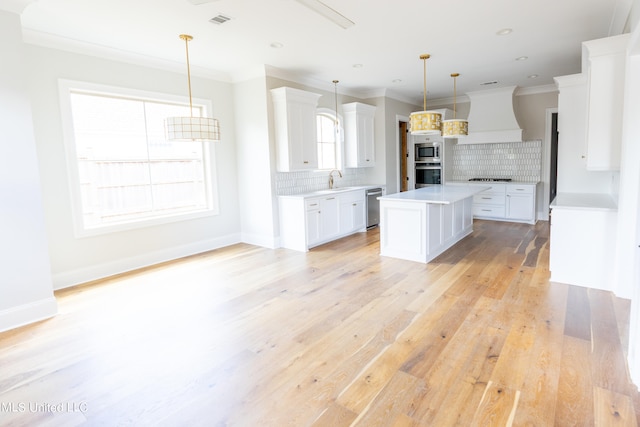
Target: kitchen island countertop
{"points": [[439, 194]]}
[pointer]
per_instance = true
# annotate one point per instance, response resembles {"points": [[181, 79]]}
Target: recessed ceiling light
{"points": [[522, 58], [504, 31], [357, 65], [532, 76], [276, 45]]}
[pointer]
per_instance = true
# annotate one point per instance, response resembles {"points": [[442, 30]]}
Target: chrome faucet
{"points": [[331, 177]]}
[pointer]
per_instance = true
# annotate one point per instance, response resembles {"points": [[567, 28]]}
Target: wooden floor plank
{"points": [[337, 336], [574, 404]]}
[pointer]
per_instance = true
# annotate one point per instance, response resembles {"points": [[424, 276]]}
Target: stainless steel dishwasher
{"points": [[373, 207]]}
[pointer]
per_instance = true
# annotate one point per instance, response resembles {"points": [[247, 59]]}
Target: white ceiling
{"points": [[386, 40]]}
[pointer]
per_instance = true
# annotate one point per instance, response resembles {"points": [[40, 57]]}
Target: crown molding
{"points": [[38, 38]]}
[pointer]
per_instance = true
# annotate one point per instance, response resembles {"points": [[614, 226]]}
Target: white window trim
{"points": [[209, 150], [340, 142]]}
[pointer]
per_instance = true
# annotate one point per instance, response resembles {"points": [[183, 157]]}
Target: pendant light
{"points": [[425, 122], [455, 128], [191, 128]]}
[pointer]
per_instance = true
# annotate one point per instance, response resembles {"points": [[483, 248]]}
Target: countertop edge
{"points": [[325, 192], [585, 201]]}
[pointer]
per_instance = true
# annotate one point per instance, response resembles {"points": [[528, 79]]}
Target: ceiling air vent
{"points": [[488, 83], [220, 19]]}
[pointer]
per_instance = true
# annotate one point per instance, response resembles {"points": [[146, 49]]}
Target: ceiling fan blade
{"points": [[328, 12]]}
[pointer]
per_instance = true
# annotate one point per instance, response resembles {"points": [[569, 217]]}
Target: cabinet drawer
{"points": [[312, 204], [488, 199], [352, 196], [488, 211], [520, 189]]}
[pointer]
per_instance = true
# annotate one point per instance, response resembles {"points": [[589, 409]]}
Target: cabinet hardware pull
{"points": [[354, 204], [331, 198], [306, 162]]}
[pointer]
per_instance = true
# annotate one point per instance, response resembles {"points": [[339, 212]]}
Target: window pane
{"points": [[326, 142], [128, 171]]}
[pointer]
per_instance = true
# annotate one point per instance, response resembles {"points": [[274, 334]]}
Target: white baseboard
{"points": [[21, 315], [261, 240], [78, 276]]}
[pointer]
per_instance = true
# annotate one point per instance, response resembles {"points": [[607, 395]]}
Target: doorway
{"points": [[403, 130], [553, 158]]}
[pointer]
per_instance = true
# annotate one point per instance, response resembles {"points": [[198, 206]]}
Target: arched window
{"points": [[328, 140]]}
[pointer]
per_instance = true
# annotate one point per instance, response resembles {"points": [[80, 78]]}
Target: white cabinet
{"points": [[582, 239], [329, 218], [313, 222], [520, 202], [294, 114], [572, 124], [352, 212], [490, 203], [306, 222], [359, 135], [605, 92], [505, 202]]}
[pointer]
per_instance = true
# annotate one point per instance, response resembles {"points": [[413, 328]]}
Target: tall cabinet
{"points": [[358, 135], [295, 127]]}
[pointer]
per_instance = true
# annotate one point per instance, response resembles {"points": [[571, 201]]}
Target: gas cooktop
{"points": [[491, 179]]}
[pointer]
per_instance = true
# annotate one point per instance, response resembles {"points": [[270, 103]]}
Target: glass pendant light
{"points": [[455, 128], [191, 128], [425, 122]]}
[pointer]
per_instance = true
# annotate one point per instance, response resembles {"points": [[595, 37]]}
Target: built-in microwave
{"points": [[428, 152]]}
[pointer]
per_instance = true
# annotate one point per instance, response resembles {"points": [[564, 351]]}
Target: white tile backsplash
{"points": [[520, 161], [307, 181]]}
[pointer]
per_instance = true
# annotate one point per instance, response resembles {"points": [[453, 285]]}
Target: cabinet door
{"points": [[313, 226], [365, 141], [359, 215], [295, 129], [359, 135], [330, 222], [520, 206]]}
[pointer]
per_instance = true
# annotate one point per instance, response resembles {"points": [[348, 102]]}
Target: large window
{"points": [[123, 172], [328, 140]]}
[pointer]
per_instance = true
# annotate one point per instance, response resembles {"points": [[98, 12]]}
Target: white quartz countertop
{"points": [[332, 191], [492, 182], [437, 194], [585, 201]]}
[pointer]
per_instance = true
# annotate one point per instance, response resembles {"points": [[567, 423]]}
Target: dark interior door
{"points": [[553, 165]]}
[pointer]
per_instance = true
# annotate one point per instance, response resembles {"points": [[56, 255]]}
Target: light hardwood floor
{"points": [[339, 336]]}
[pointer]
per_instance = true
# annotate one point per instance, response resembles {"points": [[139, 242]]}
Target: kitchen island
{"points": [[419, 225]]}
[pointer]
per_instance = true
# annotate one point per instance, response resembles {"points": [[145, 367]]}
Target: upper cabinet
{"points": [[605, 69], [295, 126], [359, 135]]}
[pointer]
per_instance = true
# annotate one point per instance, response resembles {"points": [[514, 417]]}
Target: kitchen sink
{"points": [[335, 190]]}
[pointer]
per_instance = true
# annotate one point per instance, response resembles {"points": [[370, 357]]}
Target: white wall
{"points": [[76, 260], [627, 277], [26, 293], [255, 163]]}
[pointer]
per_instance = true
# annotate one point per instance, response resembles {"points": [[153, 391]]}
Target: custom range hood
{"points": [[491, 117]]}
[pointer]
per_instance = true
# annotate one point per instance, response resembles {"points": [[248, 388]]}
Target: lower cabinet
{"points": [[506, 202], [306, 222], [521, 203], [582, 246], [352, 212]]}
